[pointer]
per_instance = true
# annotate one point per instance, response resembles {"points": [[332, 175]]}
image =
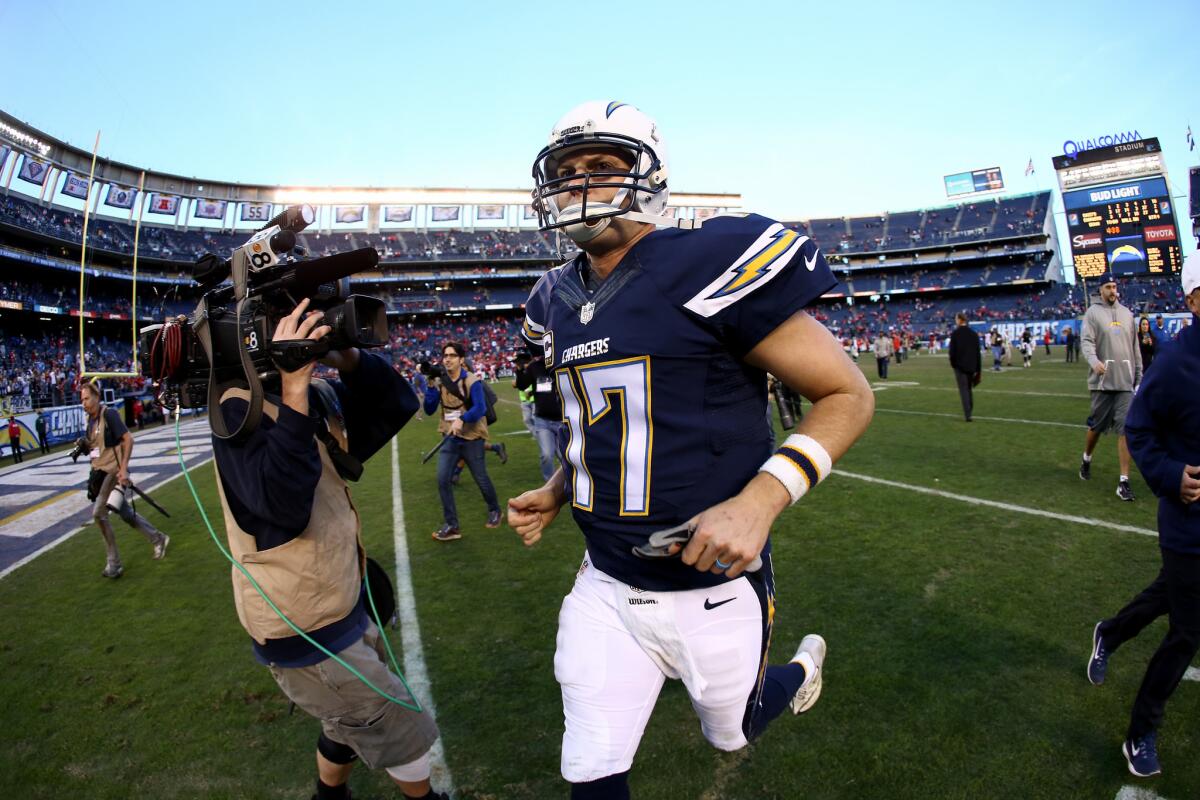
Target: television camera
{"points": [[227, 341]]}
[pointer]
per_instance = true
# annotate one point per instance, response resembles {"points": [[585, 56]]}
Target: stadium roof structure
{"points": [[61, 156]]}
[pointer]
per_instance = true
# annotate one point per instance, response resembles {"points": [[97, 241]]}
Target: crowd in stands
{"points": [[924, 314], [42, 370], [157, 241], [154, 301], [954, 225], [491, 344]]}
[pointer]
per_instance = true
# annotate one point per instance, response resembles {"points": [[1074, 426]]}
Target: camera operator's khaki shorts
{"points": [[1108, 411], [383, 733]]}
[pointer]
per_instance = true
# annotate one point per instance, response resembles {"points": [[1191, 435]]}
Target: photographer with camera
{"points": [[465, 430], [109, 445], [291, 522]]}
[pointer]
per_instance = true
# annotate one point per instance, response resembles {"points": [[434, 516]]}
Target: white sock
{"points": [[1087, 458], [1124, 479]]}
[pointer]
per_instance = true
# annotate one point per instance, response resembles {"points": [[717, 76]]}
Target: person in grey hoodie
{"points": [[1110, 347], [883, 353]]}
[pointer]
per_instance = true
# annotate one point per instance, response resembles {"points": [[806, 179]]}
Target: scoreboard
{"points": [[1126, 227], [1120, 216], [974, 182]]}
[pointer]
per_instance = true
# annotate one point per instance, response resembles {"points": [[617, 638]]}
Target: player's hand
{"points": [[1189, 486], [531, 513], [735, 531]]}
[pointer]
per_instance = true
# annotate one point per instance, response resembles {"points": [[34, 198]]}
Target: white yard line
{"points": [[989, 419], [1137, 793], [410, 630], [979, 501], [1076, 395]]}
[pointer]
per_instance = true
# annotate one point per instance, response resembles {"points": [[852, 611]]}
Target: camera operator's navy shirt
{"points": [[270, 479], [1163, 431]]}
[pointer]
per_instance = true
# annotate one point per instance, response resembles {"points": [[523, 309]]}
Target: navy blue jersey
{"points": [[662, 417]]}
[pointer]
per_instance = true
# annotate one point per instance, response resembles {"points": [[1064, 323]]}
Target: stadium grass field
{"points": [[958, 632]]}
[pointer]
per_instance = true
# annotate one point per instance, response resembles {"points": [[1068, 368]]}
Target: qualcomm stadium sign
{"points": [[1072, 147]]}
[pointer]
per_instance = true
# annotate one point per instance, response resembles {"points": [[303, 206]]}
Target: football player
{"points": [[659, 343]]}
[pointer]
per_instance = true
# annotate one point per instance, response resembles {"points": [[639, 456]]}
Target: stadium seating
{"points": [[980, 221]]}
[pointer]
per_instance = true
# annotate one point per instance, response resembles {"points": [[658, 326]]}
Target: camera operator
{"points": [[292, 524], [464, 426], [110, 446], [547, 413]]}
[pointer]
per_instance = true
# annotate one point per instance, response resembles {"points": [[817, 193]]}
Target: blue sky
{"points": [[807, 110]]}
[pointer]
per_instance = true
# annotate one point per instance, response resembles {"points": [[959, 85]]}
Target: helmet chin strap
{"points": [[582, 232]]}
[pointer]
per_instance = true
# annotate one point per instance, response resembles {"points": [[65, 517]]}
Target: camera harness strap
{"points": [[452, 388], [239, 269], [347, 466]]}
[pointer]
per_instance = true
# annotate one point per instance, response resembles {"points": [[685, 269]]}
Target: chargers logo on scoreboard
{"points": [[1124, 249]]}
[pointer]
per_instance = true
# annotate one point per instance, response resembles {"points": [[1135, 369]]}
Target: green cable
{"points": [[375, 612]]}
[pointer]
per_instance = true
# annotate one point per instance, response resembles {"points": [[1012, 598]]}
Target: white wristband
{"points": [[799, 464]]}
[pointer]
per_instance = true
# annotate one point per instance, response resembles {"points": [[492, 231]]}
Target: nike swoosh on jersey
{"points": [[811, 263], [709, 605]]}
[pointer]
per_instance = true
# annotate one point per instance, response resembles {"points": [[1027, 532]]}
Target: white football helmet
{"points": [[643, 192]]}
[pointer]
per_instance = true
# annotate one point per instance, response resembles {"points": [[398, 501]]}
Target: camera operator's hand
{"points": [[456, 427], [299, 325]]}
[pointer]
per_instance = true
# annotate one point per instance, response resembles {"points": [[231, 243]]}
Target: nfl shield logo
{"points": [[586, 312]]}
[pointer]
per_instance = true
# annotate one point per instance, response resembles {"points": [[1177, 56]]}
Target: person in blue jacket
{"points": [[464, 426], [1163, 430]]}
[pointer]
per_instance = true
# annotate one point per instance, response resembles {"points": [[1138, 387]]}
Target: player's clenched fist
{"points": [[532, 512]]}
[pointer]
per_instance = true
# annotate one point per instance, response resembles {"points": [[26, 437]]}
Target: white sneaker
{"points": [[811, 656], [160, 547]]}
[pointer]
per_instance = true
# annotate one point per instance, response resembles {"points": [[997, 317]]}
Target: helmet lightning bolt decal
{"points": [[613, 106]]}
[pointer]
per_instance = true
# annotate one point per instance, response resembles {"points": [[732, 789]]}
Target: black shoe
{"points": [[502, 451], [446, 534], [1085, 470], [1097, 666], [1124, 491]]}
